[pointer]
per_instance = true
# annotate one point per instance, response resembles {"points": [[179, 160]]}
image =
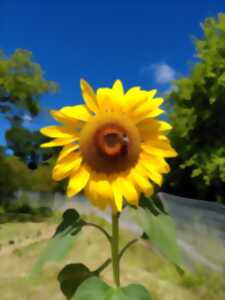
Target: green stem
{"points": [[126, 247], [99, 228], [115, 249], [103, 266]]}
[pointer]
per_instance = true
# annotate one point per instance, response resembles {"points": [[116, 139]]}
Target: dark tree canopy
{"points": [[22, 84], [198, 103], [25, 144]]}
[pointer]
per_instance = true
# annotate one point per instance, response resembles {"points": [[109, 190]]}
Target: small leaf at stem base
{"points": [[96, 289]]}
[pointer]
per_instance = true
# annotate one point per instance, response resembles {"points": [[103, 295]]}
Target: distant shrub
{"points": [[22, 211]]}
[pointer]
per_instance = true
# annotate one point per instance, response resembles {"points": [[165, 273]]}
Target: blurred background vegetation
{"points": [[196, 105], [195, 108]]}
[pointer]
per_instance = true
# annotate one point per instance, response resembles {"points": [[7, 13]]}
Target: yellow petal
{"points": [[159, 148], [135, 98], [157, 163], [149, 108], [155, 113], [71, 163], [105, 189], [58, 132], [58, 142], [146, 107], [118, 88], [164, 126], [58, 116], [106, 100], [155, 166], [143, 184], [151, 173], [138, 100], [118, 196], [152, 93], [99, 192], [67, 150], [77, 112], [129, 191], [65, 120], [149, 105], [78, 181], [148, 129], [133, 91], [88, 95]]}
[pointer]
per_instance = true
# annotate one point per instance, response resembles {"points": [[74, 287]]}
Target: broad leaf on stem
{"points": [[62, 241], [160, 229]]}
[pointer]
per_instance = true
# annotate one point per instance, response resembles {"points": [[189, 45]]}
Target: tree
{"points": [[2, 151], [197, 116], [22, 84], [14, 175], [26, 145]]}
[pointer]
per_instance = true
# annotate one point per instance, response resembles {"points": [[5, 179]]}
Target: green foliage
{"points": [[62, 242], [71, 277], [197, 116], [96, 289], [21, 85], [41, 180], [20, 210], [14, 175], [24, 213], [160, 229], [2, 151], [25, 144]]}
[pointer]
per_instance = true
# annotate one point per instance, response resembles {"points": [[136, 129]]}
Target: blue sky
{"points": [[145, 43]]}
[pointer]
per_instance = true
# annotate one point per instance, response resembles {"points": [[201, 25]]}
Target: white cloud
{"points": [[27, 118], [162, 72]]}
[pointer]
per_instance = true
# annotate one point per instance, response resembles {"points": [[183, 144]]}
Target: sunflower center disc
{"points": [[111, 141], [110, 144]]}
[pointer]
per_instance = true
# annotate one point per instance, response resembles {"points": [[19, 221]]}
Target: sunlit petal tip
{"points": [[86, 87], [83, 83], [70, 193], [43, 145], [164, 126], [53, 112], [89, 95], [59, 116], [152, 93], [118, 86], [175, 153], [156, 112], [118, 197], [77, 112], [42, 130], [58, 142]]}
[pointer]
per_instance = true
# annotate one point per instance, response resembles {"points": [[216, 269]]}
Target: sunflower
{"points": [[112, 146]]}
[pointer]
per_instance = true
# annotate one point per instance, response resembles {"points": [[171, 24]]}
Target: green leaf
{"points": [[71, 277], [92, 288], [95, 289], [62, 242], [160, 229], [156, 207], [196, 172], [136, 292]]}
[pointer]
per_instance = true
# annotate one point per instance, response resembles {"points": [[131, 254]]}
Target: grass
{"points": [[140, 264]]}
